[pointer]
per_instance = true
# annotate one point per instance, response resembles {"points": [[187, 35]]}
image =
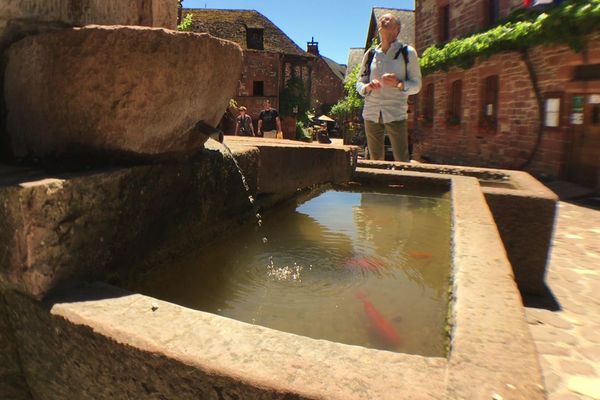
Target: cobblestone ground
{"points": [[566, 328]]}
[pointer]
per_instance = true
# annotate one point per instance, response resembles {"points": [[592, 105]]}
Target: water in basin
{"points": [[367, 268]]}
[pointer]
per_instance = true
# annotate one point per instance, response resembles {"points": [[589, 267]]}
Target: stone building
{"points": [[271, 58], [328, 80], [489, 114]]}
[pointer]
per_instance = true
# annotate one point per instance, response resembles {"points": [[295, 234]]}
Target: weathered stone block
{"points": [[26, 16], [54, 232], [116, 90]]}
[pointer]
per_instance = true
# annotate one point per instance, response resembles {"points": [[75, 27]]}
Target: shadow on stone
{"points": [[546, 301], [592, 201]]}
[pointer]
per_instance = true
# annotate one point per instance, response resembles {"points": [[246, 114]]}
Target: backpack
{"points": [[402, 50]]}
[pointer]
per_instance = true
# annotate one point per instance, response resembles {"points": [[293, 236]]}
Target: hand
{"points": [[374, 85], [390, 80]]}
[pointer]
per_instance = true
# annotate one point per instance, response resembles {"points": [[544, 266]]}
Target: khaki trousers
{"points": [[398, 133]]}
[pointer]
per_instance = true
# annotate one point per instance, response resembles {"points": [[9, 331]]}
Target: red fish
{"points": [[381, 325], [363, 263], [420, 255]]}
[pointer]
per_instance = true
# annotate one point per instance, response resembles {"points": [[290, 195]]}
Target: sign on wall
{"points": [[577, 111]]}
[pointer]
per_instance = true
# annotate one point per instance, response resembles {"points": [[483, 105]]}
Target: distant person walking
{"points": [[388, 75], [243, 125], [268, 121]]}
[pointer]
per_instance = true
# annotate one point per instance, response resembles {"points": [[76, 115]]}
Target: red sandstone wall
{"points": [[466, 16], [259, 66], [326, 88], [518, 116]]}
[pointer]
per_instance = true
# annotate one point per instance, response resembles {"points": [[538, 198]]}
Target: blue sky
{"points": [[336, 25]]}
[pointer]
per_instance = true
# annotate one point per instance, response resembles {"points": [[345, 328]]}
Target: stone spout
{"points": [[125, 90], [202, 129]]}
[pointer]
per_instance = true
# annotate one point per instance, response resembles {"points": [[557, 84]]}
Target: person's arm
{"points": [[413, 84], [237, 126], [251, 126], [259, 127], [278, 123]]}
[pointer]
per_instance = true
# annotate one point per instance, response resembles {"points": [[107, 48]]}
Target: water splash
{"points": [[286, 273]]}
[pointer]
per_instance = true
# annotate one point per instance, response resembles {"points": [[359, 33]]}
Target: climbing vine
{"points": [[567, 24], [293, 99]]}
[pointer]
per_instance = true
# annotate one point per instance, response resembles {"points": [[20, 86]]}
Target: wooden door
{"points": [[584, 167]]}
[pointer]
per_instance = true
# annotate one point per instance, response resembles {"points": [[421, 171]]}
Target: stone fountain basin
{"points": [[116, 90], [121, 343]]}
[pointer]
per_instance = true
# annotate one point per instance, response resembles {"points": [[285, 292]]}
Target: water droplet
{"points": [[258, 216], [265, 240], [251, 199], [260, 222]]}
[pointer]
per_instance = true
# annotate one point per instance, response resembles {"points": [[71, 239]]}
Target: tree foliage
{"points": [[567, 23], [186, 23], [351, 105]]}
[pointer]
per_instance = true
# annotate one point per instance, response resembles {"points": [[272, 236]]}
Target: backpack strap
{"points": [[367, 67], [404, 51]]}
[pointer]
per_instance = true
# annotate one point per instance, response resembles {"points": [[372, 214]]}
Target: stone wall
{"points": [[511, 144], [327, 88], [465, 17], [12, 381], [259, 66], [25, 15], [91, 225], [470, 143]]}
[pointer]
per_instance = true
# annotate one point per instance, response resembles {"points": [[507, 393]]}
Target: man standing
{"points": [[243, 124], [388, 75], [268, 121]]}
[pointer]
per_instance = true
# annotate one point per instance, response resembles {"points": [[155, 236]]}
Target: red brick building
{"points": [[489, 115], [271, 59], [327, 80]]}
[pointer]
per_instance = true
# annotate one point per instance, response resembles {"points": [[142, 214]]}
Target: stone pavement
{"points": [[566, 324]]}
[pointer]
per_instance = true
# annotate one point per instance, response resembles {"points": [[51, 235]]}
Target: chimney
{"points": [[312, 47]]}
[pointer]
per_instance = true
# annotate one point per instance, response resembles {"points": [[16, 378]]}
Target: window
{"points": [[491, 11], [254, 38], [258, 88], [489, 115], [455, 103], [428, 106], [587, 72], [595, 117], [444, 26], [552, 112]]}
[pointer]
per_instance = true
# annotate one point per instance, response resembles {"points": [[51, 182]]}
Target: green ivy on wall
{"points": [[293, 99], [567, 24]]}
